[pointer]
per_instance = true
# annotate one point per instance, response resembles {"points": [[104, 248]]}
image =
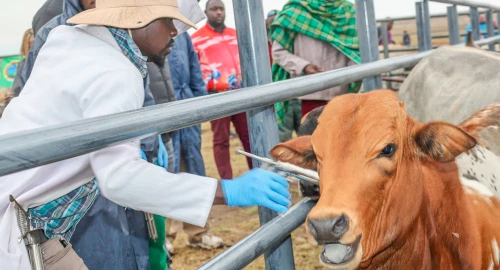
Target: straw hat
{"points": [[129, 14]]}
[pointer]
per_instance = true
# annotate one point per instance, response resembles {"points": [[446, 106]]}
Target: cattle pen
{"points": [[33, 148]]}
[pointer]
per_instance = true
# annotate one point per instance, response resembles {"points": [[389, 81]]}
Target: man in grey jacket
{"points": [[160, 83], [49, 10]]}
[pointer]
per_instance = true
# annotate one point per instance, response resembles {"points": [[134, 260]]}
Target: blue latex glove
{"points": [[143, 155], [162, 154], [258, 187]]}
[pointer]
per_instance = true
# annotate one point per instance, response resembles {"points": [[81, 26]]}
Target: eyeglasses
{"points": [[273, 12]]}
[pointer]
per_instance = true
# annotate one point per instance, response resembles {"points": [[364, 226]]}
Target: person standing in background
{"points": [[406, 38], [163, 92], [217, 48], [310, 37], [49, 10], [483, 27], [293, 114], [390, 24], [271, 15], [28, 39]]}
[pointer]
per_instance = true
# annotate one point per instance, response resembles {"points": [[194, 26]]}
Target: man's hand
{"points": [[162, 154], [312, 69], [256, 187]]}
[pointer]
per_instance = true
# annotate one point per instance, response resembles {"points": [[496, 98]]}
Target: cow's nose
{"points": [[328, 230]]}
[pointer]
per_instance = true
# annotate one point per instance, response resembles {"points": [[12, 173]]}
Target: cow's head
{"points": [[369, 156]]}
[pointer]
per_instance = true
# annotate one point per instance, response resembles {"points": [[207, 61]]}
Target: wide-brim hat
{"points": [[129, 14]]}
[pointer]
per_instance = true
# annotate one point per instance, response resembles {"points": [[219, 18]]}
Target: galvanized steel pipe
{"points": [[368, 40], [32, 148], [490, 27], [472, 3], [488, 41], [269, 235], [474, 22], [453, 26], [405, 18], [423, 26]]}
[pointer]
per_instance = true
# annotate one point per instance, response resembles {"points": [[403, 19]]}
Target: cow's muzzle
{"points": [[328, 230]]}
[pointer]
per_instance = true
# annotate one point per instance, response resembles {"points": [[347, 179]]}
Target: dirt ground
{"points": [[233, 224]]}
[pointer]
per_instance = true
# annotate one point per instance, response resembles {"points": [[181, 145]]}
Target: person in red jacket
{"points": [[217, 48]]}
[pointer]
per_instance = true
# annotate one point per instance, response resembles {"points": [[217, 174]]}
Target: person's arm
{"points": [[292, 63], [196, 82], [124, 177], [287, 60], [219, 195]]}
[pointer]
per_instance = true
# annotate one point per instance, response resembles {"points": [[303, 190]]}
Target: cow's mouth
{"points": [[336, 253]]}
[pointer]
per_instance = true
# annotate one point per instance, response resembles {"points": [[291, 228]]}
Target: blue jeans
{"points": [[108, 237]]}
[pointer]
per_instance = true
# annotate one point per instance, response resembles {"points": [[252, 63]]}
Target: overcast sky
{"points": [[16, 16]]}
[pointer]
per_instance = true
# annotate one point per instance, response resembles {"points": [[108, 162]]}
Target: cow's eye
{"points": [[388, 151]]}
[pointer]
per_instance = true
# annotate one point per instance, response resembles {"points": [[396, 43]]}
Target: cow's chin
{"points": [[339, 256]]}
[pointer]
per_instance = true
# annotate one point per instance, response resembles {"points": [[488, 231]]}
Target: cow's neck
{"points": [[448, 218], [432, 240]]}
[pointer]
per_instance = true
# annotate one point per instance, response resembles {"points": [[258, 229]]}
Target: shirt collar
{"points": [[213, 30], [130, 49]]}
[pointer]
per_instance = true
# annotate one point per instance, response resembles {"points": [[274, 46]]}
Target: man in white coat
{"points": [[100, 69]]}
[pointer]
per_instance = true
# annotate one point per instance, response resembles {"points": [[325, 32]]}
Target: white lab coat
{"points": [[81, 73]]}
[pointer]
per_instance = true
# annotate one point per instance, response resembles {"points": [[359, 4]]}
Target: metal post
{"points": [[262, 125], [423, 26], [490, 27], [385, 41], [368, 40], [453, 26], [474, 21], [498, 26]]}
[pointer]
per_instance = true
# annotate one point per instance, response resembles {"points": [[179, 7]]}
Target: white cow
{"points": [[450, 85]]}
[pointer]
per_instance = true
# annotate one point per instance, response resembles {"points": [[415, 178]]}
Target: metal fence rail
{"points": [[33, 148], [424, 29], [405, 18], [268, 236], [472, 3]]}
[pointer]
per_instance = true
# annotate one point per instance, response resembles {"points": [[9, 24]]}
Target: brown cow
{"points": [[391, 196]]}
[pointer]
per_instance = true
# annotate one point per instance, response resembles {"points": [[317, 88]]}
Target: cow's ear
{"points": [[442, 141], [298, 151]]}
